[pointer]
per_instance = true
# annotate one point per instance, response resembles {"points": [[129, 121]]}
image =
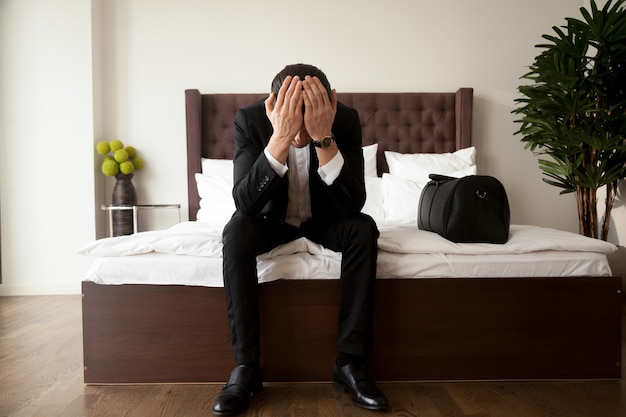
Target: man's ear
{"points": [[269, 104]]}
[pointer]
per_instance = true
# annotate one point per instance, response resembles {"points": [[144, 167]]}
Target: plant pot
{"points": [[124, 195]]}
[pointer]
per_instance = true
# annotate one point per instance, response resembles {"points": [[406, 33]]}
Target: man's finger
{"points": [[283, 90], [293, 97]]}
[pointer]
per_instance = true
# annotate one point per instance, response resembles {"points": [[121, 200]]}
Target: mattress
{"points": [[190, 254]]}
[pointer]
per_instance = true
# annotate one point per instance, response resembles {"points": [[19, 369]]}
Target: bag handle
{"points": [[441, 178]]}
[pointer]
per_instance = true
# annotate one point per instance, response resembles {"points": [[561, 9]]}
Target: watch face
{"points": [[326, 142]]}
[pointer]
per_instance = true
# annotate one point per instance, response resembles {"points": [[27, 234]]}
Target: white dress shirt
{"points": [[299, 197]]}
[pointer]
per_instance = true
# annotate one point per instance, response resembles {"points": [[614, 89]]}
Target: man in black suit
{"points": [[298, 171]]}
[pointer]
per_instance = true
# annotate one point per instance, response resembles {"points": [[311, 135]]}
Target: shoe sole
{"points": [[338, 386], [234, 413]]}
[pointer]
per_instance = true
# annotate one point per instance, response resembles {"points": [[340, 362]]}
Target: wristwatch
{"points": [[325, 142]]}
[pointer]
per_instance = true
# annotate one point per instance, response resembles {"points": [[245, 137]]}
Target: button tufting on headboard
{"points": [[402, 122]]}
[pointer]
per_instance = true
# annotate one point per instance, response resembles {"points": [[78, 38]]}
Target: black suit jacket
{"points": [[258, 190]]}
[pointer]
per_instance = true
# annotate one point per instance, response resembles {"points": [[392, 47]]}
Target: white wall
{"points": [[146, 52], [159, 48], [46, 135]]}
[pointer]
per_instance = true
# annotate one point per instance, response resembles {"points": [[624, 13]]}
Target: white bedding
{"points": [[190, 254]]}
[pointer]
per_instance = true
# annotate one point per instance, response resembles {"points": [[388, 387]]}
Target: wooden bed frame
{"points": [[425, 329]]}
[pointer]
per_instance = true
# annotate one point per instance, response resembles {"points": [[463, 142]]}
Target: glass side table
{"points": [[136, 208]]}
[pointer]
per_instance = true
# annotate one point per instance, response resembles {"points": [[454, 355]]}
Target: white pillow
{"points": [[216, 199], [218, 168], [369, 156], [374, 199], [418, 166], [401, 196], [216, 182], [401, 199]]}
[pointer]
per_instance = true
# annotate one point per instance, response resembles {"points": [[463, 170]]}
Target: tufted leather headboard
{"points": [[401, 122]]}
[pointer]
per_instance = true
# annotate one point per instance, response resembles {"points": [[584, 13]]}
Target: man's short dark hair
{"points": [[301, 70]]}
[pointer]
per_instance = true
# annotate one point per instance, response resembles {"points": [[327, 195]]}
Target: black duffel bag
{"points": [[471, 209]]}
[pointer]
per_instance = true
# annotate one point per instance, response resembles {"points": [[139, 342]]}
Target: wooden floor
{"points": [[41, 375]]}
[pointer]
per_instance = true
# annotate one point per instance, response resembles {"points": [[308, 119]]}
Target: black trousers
{"points": [[355, 237]]}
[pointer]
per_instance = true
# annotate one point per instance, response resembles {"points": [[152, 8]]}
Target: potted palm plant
{"points": [[573, 109]]}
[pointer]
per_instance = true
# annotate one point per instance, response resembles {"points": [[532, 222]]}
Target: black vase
{"points": [[124, 195]]}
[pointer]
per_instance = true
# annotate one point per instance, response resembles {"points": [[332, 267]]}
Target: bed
{"points": [[458, 312]]}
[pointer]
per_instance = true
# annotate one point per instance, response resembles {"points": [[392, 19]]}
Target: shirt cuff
{"points": [[280, 169], [331, 170]]}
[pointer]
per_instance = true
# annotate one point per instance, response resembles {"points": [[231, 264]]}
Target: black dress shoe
{"points": [[244, 381], [365, 394]]}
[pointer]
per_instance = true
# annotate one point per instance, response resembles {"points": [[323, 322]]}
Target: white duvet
{"points": [[404, 252], [200, 239]]}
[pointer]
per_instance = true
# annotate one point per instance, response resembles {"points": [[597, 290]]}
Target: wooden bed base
{"points": [[425, 329]]}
